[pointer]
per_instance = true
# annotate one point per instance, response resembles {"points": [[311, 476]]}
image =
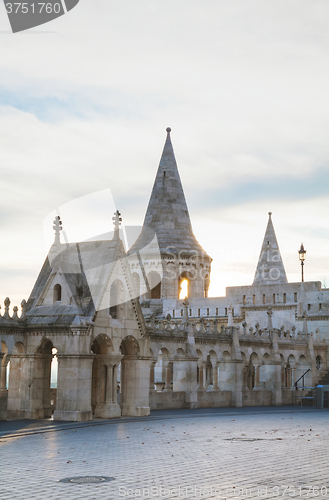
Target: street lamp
{"points": [[302, 255]]}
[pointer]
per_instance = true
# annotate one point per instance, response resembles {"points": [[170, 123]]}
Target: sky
{"points": [[85, 101]]}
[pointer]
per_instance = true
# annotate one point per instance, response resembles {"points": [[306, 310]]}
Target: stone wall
{"points": [[256, 398], [214, 399], [167, 400]]}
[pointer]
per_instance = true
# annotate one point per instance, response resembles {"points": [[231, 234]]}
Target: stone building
{"points": [[126, 343]]}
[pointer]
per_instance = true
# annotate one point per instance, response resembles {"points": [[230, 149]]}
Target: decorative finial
{"points": [[57, 227], [117, 219], [7, 304], [270, 213], [168, 129], [15, 311], [23, 306]]}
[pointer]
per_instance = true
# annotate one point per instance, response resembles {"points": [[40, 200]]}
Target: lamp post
{"points": [[302, 255]]}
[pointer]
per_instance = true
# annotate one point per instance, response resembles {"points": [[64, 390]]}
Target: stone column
{"points": [[293, 377], [47, 410], [109, 384], [256, 385], [152, 368], [4, 359], [27, 385], [202, 377], [236, 393], [168, 378], [135, 385], [74, 387], [215, 376], [16, 390], [283, 376], [109, 408]]}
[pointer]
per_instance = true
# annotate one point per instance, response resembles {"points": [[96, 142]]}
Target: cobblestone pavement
{"points": [[227, 454]]}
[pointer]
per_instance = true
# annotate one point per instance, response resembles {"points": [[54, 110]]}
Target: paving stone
{"points": [[221, 455]]}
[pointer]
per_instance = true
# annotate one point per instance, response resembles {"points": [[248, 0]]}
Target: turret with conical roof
{"points": [[270, 269], [167, 215]]}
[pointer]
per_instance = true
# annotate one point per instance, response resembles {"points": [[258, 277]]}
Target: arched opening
{"points": [[253, 371], [135, 379], [4, 368], [184, 285], [209, 372], [104, 378], [318, 362], [44, 394], [199, 371], [53, 379], [57, 293], [154, 281], [183, 289], [163, 379]]}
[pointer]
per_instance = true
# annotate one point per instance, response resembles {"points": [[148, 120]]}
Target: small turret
{"points": [[270, 269], [167, 215]]}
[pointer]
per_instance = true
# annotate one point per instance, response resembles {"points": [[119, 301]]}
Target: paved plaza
{"points": [[225, 453]]}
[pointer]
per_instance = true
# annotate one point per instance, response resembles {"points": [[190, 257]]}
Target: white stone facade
{"points": [[122, 355]]}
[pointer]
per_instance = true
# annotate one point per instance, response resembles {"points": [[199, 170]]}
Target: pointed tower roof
{"points": [[270, 269], [167, 213]]}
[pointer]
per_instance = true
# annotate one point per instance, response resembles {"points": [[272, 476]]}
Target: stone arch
{"points": [[252, 367], [226, 356], [57, 293], [164, 369], [19, 348], [154, 281], [102, 344], [135, 378], [291, 360], [183, 283], [4, 347], [104, 378], [211, 366], [41, 393], [180, 353], [302, 360], [266, 358]]}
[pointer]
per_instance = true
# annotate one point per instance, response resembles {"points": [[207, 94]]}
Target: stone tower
{"points": [[270, 269], [181, 257]]}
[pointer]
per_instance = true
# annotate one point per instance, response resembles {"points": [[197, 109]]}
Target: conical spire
{"points": [[167, 213], [270, 269]]}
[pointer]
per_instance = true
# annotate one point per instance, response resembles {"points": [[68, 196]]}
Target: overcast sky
{"points": [[85, 101]]}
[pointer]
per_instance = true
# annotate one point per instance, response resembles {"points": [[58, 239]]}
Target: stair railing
{"points": [[301, 377]]}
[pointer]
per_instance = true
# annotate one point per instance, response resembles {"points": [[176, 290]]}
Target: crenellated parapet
{"points": [[14, 318]]}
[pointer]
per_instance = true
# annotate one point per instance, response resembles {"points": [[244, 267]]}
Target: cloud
{"points": [[243, 86]]}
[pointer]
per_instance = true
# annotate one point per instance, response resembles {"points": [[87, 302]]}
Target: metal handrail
{"points": [[302, 377]]}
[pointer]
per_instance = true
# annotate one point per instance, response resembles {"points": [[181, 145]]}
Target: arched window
{"points": [[183, 288], [184, 285], [57, 294]]}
